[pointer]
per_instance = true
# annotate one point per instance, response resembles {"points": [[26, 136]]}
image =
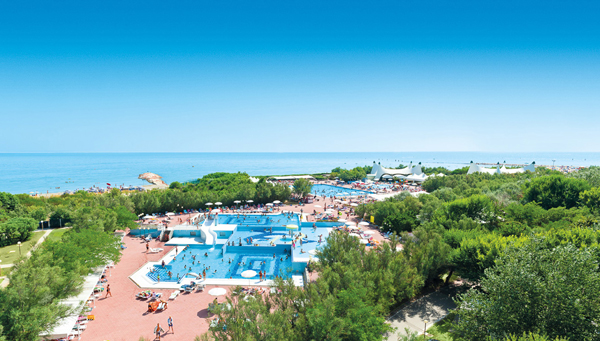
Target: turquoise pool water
{"points": [[259, 221], [228, 265], [335, 191]]}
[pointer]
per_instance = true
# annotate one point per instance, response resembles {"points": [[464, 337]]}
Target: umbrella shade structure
{"points": [[353, 227], [350, 223], [269, 204], [291, 227], [318, 206], [237, 201], [363, 223], [354, 204], [277, 202], [217, 292], [249, 274], [355, 235], [218, 203], [250, 201], [208, 204], [170, 214], [147, 217]]}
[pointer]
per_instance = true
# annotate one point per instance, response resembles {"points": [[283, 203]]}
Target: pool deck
{"points": [[123, 317]]}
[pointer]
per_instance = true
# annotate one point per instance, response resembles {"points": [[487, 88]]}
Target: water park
{"points": [[233, 249]]}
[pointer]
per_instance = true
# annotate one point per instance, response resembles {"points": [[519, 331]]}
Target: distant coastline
{"points": [[56, 173]]}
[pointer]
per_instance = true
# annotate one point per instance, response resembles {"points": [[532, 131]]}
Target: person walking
{"points": [[108, 291], [170, 323], [157, 331]]}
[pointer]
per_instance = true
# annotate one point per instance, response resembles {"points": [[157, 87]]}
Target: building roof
{"points": [[475, 168]]}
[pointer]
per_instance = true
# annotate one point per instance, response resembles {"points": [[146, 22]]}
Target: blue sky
{"points": [[211, 76]]}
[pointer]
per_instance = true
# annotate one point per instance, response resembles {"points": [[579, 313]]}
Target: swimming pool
{"points": [[335, 191], [216, 264], [259, 220]]}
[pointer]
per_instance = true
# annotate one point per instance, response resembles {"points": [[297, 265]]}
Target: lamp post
{"points": [[553, 161], [425, 330], [19, 243]]}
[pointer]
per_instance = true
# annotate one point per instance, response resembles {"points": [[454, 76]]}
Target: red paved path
{"points": [[124, 318]]}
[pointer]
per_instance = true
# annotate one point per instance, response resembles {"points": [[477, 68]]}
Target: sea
{"points": [[53, 173]]}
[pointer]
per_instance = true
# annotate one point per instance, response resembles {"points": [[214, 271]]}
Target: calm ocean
{"points": [[24, 173]]}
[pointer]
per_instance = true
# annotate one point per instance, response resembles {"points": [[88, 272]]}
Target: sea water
{"points": [[25, 173]]}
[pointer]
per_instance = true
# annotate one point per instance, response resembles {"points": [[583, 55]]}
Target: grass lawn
{"points": [[56, 234], [9, 257], [441, 330]]}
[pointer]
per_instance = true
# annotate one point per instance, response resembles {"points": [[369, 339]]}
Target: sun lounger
{"points": [[162, 306], [174, 295], [156, 250]]}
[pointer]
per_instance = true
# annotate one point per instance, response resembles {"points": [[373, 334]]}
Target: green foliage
{"points": [[125, 218], [16, 230], [591, 199], [215, 187], [302, 187], [531, 337], [591, 175], [533, 288], [554, 191], [8, 201], [357, 173], [61, 216]]}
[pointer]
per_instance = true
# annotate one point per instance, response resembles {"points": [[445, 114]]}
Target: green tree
{"points": [[125, 218], [591, 199], [534, 288], [16, 230], [61, 216], [554, 191], [302, 187]]}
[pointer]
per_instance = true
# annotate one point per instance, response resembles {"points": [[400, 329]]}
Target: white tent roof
{"points": [[379, 172], [475, 168], [65, 326]]}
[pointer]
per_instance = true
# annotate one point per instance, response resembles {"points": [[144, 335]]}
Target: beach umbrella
{"points": [[291, 227], [277, 202], [350, 223], [353, 227], [237, 201], [354, 235], [354, 204], [249, 274], [250, 201], [170, 214], [147, 217], [218, 203], [269, 204], [363, 223], [208, 204], [217, 292], [318, 206]]}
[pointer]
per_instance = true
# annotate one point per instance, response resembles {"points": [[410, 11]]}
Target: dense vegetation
{"points": [[216, 187], [527, 244]]}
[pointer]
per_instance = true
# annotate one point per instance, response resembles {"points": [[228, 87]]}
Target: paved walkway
{"points": [[432, 307], [5, 282]]}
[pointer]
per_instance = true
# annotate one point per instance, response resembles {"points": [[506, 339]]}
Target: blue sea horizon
{"points": [[57, 172]]}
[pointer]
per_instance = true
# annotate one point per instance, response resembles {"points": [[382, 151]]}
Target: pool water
{"points": [[259, 221], [229, 265], [335, 191]]}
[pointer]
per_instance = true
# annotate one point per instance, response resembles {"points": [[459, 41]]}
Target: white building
{"points": [[475, 168]]}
